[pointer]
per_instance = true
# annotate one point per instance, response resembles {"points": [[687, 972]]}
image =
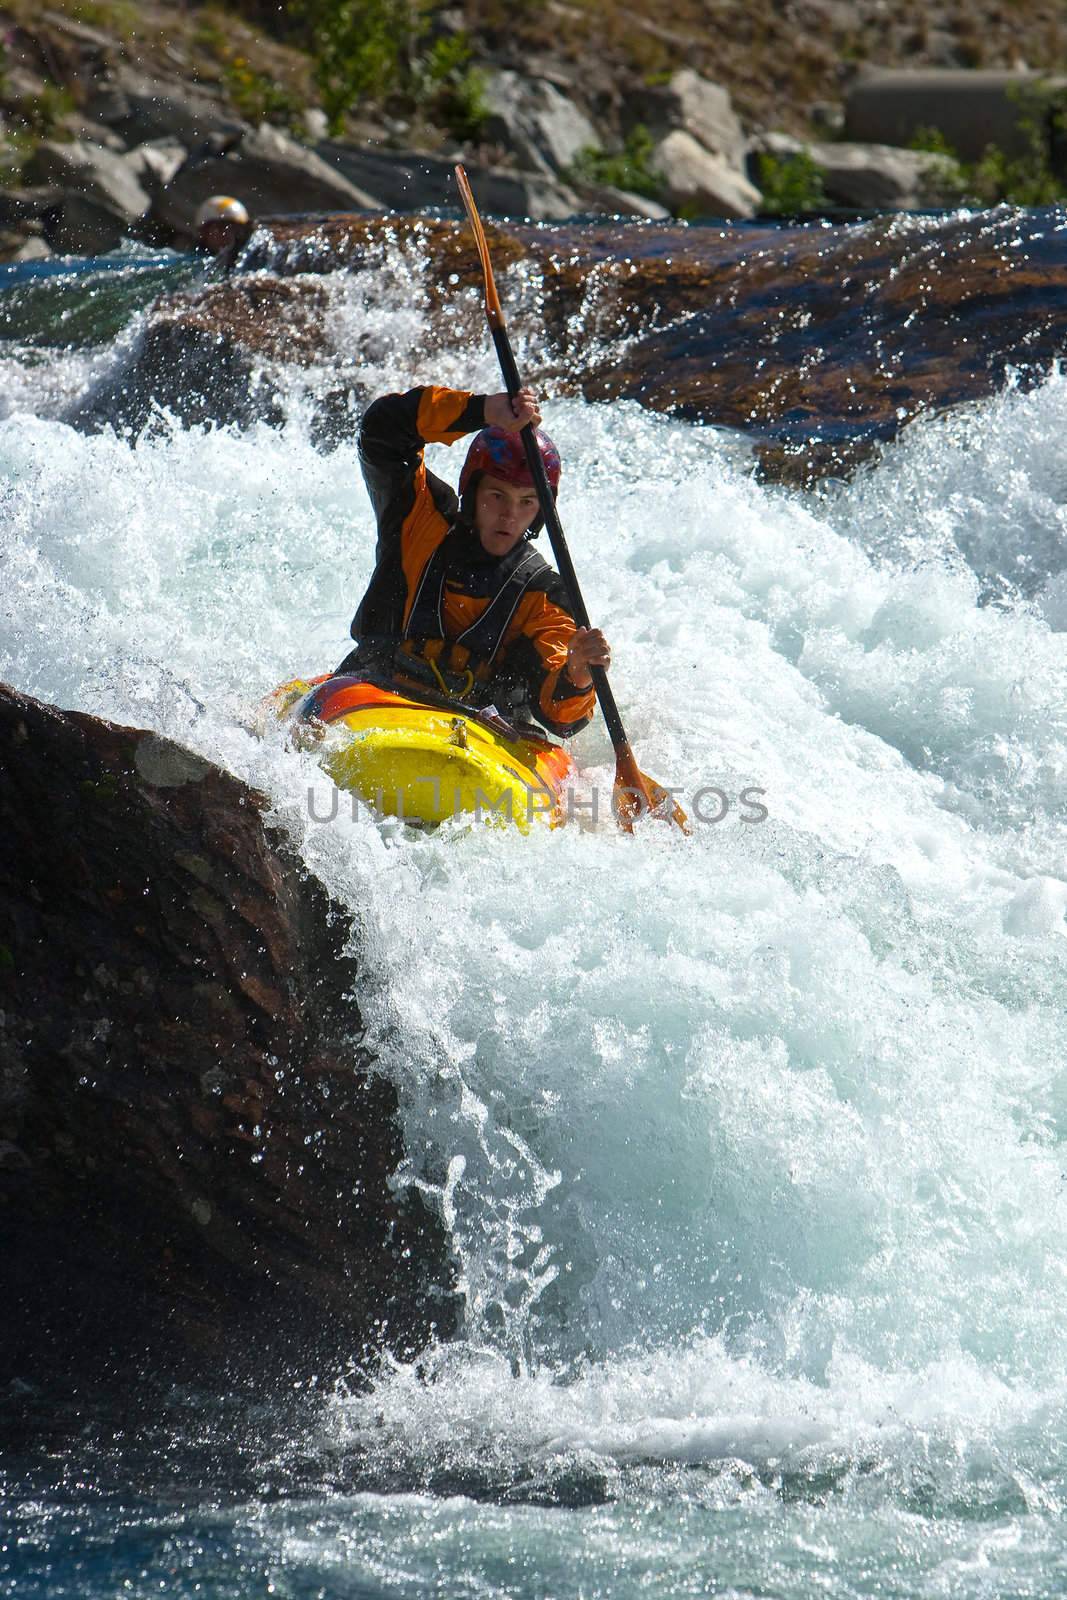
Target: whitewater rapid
{"points": [[750, 1143]]}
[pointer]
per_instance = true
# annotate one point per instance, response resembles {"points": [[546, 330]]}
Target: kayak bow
{"points": [[420, 761]]}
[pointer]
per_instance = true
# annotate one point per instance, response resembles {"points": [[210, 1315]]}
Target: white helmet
{"points": [[221, 208]]}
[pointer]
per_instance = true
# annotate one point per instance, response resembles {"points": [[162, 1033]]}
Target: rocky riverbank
{"points": [[194, 1158], [113, 129]]}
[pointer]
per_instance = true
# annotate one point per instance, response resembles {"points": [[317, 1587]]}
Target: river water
{"points": [[751, 1143]]}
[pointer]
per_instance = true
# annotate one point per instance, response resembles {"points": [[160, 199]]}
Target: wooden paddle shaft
{"points": [[556, 537]]}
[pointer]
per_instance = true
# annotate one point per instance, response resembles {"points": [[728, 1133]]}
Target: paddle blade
{"points": [[637, 795], [493, 311]]}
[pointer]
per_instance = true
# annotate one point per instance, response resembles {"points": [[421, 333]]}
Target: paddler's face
{"points": [[502, 513]]}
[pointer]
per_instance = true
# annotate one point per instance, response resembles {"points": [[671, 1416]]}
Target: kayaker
{"points": [[223, 228], [459, 602]]}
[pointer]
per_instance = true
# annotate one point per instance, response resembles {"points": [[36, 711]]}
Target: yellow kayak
{"points": [[421, 761]]}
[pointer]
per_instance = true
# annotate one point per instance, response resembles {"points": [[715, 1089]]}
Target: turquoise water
{"points": [[750, 1145]]}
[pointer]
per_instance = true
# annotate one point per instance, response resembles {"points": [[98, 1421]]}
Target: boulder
{"points": [[183, 371], [868, 177], [106, 101], [270, 173], [158, 163], [697, 107], [531, 117], [407, 180], [403, 180], [142, 109], [81, 226], [101, 194], [873, 177], [695, 179], [19, 207], [31, 249], [609, 202], [195, 1154], [15, 246], [972, 109], [102, 176]]}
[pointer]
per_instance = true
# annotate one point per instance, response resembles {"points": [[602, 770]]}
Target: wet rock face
{"points": [[182, 366], [816, 342], [194, 1155]]}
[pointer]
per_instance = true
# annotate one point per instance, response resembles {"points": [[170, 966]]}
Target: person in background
{"points": [[223, 228]]}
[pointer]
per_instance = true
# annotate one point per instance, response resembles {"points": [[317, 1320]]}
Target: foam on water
{"points": [[751, 1144]]}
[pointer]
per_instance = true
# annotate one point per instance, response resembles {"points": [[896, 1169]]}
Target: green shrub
{"points": [[121, 17], [791, 185], [452, 89], [361, 49], [1023, 180], [257, 97], [40, 114], [629, 168]]}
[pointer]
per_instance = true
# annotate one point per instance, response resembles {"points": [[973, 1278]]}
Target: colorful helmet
{"points": [[503, 455], [221, 208]]}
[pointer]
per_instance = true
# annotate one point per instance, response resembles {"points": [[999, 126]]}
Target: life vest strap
{"points": [[483, 639]]}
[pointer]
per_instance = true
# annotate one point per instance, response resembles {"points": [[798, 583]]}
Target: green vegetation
{"points": [[376, 50], [16, 148], [119, 17], [259, 98], [361, 49], [42, 113], [629, 168], [453, 90], [1026, 179], [791, 185]]}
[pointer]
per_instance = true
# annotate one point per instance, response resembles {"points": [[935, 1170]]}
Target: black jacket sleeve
{"points": [[394, 431]]}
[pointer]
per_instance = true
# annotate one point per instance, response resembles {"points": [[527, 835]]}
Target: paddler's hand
{"points": [[588, 648], [501, 411]]}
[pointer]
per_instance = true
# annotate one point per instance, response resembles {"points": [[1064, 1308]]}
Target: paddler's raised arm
{"points": [[396, 428]]}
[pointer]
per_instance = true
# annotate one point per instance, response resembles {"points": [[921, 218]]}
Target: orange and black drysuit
{"points": [[439, 608]]}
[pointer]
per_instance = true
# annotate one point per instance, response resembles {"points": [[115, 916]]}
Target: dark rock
{"points": [[869, 177], [972, 109], [184, 364], [107, 102], [102, 194], [143, 109], [271, 173], [407, 180], [81, 225], [21, 206], [194, 1154]]}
